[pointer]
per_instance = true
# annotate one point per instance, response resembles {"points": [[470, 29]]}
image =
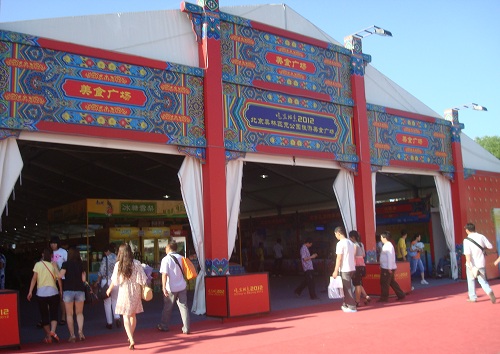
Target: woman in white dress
{"points": [[129, 276]]}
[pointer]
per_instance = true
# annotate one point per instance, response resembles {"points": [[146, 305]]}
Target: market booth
{"points": [[146, 225], [281, 95]]}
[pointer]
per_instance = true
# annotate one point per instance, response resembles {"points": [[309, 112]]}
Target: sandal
{"points": [[81, 336], [54, 336], [47, 340], [368, 299], [72, 339]]}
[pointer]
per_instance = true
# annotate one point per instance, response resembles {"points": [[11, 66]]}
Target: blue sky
{"points": [[443, 52]]}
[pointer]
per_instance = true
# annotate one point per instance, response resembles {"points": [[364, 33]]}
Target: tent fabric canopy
{"points": [[11, 165], [191, 179], [168, 36], [343, 186]]}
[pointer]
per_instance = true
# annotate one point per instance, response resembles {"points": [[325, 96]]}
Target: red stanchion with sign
{"points": [[9, 319]]}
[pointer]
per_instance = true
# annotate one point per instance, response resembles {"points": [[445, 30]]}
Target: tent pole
{"points": [[88, 244]]}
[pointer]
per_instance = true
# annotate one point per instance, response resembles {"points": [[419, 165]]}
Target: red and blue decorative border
{"points": [[44, 88], [409, 140]]}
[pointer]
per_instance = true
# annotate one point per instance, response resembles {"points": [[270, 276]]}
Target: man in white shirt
{"points": [[388, 269], [174, 288], [59, 255], [475, 262], [346, 266]]}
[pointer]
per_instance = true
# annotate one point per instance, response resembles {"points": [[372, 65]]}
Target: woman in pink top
{"points": [[359, 261]]}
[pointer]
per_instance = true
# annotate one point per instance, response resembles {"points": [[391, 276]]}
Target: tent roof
{"points": [[167, 36]]}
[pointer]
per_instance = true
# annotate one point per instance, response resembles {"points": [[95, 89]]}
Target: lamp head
{"points": [[478, 107], [382, 32], [372, 30], [473, 106]]}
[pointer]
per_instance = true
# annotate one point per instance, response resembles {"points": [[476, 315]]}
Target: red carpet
{"points": [[430, 320]]}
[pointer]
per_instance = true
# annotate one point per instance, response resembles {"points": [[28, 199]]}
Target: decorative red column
{"points": [[458, 189], [365, 215], [206, 22]]}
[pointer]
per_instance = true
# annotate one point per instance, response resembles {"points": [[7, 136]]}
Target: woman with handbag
{"points": [[45, 276], [128, 275], [103, 282], [74, 292]]}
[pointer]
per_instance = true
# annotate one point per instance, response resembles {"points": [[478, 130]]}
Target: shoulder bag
{"points": [[90, 297], [190, 270]]}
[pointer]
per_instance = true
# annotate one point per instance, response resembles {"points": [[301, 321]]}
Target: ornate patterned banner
{"points": [[255, 57], [49, 90], [402, 141], [285, 92], [257, 120]]}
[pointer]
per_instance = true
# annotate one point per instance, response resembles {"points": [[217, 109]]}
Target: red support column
{"points": [[365, 215], [458, 189], [214, 170]]}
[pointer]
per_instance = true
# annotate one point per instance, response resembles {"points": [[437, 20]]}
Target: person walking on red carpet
{"points": [[359, 261], [174, 288], [74, 292], [48, 293], [307, 266], [129, 275], [388, 269], [475, 265], [345, 265]]}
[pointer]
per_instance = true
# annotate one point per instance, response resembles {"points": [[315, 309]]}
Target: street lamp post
{"points": [[362, 179], [458, 188]]}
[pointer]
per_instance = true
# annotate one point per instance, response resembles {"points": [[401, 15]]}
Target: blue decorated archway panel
{"points": [[257, 120], [272, 61], [401, 141], [51, 90], [283, 91]]}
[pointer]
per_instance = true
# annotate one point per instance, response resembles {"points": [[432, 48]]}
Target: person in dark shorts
{"points": [[359, 261]]}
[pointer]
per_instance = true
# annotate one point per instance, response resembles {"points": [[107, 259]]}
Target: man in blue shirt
{"points": [[307, 266]]}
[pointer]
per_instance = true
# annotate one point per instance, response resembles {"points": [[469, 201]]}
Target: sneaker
{"points": [[347, 309], [424, 282], [471, 300], [492, 297]]}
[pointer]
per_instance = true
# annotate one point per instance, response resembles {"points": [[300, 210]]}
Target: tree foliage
{"points": [[490, 143]]}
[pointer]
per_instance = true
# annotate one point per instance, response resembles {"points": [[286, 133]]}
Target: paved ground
{"points": [[281, 295]]}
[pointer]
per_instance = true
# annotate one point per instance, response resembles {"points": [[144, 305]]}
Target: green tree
{"points": [[490, 143]]}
